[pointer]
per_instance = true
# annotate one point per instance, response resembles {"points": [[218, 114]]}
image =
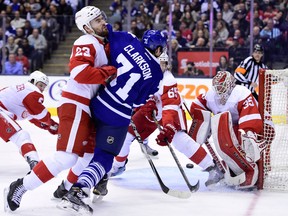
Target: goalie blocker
{"points": [[238, 160]]}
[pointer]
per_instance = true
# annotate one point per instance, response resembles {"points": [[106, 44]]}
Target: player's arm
{"points": [[82, 67], [39, 115]]}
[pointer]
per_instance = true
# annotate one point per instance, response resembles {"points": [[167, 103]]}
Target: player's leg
{"points": [[12, 131], [73, 131]]}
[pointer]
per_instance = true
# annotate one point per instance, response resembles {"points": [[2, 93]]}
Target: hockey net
{"points": [[273, 100]]}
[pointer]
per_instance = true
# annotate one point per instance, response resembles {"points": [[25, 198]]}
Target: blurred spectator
{"points": [[47, 33], [39, 43], [237, 36], [66, 11], [222, 31], [23, 59], [158, 15], [35, 6], [27, 48], [135, 30], [10, 30], [36, 21], [117, 26], [17, 22], [216, 40], [199, 34], [227, 13], [13, 67], [191, 70], [54, 28], [174, 47], [256, 36], [186, 32], [19, 36], [11, 45], [188, 19], [200, 26], [114, 5], [243, 23], [27, 29], [181, 40], [224, 65]]}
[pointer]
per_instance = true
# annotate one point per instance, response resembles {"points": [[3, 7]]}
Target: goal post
{"points": [[273, 102]]}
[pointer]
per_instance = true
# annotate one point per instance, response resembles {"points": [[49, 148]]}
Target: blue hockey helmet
{"points": [[152, 39]]}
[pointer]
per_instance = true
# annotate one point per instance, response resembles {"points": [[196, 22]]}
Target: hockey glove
{"points": [[148, 108], [53, 127], [110, 72], [166, 135]]}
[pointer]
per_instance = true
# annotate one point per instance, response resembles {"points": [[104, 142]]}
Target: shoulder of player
{"points": [[86, 40], [168, 78], [240, 92]]}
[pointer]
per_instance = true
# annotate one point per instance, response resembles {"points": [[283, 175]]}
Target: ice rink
{"points": [[136, 192]]}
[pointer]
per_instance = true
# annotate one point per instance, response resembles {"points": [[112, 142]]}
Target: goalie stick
{"points": [[192, 188], [165, 189], [230, 180]]}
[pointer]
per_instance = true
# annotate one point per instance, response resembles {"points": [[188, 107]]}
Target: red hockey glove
{"points": [[110, 72], [53, 127], [148, 108], [166, 135]]}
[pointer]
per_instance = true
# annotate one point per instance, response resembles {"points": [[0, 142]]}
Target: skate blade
{"points": [[97, 198], [74, 209], [5, 195]]}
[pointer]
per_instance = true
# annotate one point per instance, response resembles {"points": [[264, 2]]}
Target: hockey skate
{"points": [[215, 176], [100, 190], [116, 170], [149, 150], [13, 195], [72, 201], [60, 191]]}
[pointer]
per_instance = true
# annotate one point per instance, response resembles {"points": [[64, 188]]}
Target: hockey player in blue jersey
{"points": [[138, 77]]}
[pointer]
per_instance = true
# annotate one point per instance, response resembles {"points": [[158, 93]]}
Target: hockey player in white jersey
{"points": [[236, 127], [25, 101], [88, 70]]}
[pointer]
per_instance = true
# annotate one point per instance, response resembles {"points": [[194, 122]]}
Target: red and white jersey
{"points": [[87, 53], [169, 102], [241, 104], [24, 101]]}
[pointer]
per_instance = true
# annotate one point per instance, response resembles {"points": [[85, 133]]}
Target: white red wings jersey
{"points": [[169, 102], [87, 53], [241, 104], [24, 101]]}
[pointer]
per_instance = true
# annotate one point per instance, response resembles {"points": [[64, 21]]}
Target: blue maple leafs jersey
{"points": [[138, 77]]}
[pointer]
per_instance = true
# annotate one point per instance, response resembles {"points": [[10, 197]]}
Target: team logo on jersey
{"points": [[9, 130], [25, 114], [110, 140]]}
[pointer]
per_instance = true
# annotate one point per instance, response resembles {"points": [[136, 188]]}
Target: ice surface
{"points": [[136, 192]]}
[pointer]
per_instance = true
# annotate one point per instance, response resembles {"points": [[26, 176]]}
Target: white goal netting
{"points": [[275, 102]]}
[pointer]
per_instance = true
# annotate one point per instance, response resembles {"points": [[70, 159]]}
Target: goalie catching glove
{"points": [[148, 108], [166, 135]]}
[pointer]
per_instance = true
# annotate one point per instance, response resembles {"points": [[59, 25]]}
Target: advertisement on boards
{"points": [[201, 60], [189, 88]]}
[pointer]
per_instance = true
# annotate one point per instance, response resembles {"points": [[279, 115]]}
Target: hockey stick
{"points": [[192, 188], [165, 189], [230, 180]]}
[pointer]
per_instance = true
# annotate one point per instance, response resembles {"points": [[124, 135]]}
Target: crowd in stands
{"points": [[191, 19], [31, 30]]}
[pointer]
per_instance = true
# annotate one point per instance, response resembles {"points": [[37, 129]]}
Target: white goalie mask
{"points": [[86, 15], [223, 84], [38, 76]]}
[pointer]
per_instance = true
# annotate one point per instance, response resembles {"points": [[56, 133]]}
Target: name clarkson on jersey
{"points": [[140, 61]]}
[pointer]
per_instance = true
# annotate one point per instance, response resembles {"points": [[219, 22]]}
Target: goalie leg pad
{"points": [[201, 125], [228, 147]]}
